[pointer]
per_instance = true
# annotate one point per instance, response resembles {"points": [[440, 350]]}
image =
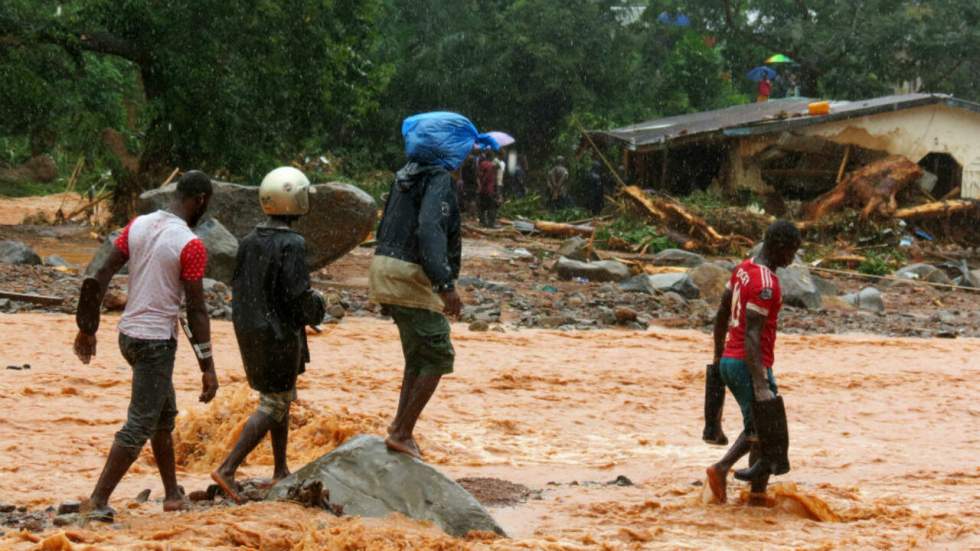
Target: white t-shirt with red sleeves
{"points": [[754, 287], [163, 252]]}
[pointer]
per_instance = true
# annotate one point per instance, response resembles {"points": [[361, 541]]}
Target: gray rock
{"points": [[4, 303], [68, 507], [678, 282], [341, 216], [222, 248], [826, 287], [710, 279], [17, 252], [798, 287], [923, 272], [674, 299], [367, 479], [606, 270], [868, 299], [56, 261], [677, 257], [479, 326], [975, 278], [554, 322], [577, 248]]}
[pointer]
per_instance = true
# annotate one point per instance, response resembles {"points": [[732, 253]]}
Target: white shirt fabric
{"points": [[156, 242], [500, 174]]}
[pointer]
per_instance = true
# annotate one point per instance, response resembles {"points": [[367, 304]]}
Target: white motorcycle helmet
{"points": [[285, 192]]}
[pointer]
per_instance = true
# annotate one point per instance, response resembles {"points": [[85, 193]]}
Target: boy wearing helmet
{"points": [[273, 303]]}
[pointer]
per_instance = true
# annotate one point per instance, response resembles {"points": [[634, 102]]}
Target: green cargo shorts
{"points": [[737, 378], [276, 404], [425, 340]]}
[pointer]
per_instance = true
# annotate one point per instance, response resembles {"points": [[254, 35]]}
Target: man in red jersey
{"points": [[748, 316]]}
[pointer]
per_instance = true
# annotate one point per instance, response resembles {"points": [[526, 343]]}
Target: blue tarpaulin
{"points": [[442, 138]]}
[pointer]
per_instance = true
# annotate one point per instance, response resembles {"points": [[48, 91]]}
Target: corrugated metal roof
{"points": [[761, 118]]}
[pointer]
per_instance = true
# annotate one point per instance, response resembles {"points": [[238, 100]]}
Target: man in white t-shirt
{"points": [[166, 263]]}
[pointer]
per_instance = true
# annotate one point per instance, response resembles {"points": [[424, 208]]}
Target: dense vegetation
{"points": [[237, 87]]}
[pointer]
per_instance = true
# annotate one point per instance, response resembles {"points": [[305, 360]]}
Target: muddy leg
{"points": [[252, 434], [718, 473], [280, 441], [401, 437], [162, 443], [408, 382], [119, 460]]}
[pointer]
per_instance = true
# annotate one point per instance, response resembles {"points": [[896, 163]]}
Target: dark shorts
{"points": [[737, 378], [153, 402], [425, 340]]}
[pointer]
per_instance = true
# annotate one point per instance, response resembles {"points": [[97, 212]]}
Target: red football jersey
{"points": [[754, 287]]}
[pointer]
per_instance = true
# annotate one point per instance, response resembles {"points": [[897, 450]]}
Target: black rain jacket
{"points": [[272, 302], [421, 222]]}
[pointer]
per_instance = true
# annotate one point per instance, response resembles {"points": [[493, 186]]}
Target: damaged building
{"points": [[779, 151]]}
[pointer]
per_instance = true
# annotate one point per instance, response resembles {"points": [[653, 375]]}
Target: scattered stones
{"points": [[677, 282], [677, 257], [868, 299], [115, 300], [336, 311], [605, 270], [367, 479], [710, 279], [65, 520], [68, 507], [494, 492], [554, 322], [479, 325], [798, 287], [625, 314], [17, 252], [923, 272], [7, 508], [577, 248]]}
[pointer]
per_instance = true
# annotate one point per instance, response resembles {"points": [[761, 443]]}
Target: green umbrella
{"points": [[778, 58]]}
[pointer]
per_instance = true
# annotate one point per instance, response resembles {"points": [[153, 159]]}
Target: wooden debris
{"points": [[872, 188], [33, 299], [936, 209], [557, 229], [681, 225]]}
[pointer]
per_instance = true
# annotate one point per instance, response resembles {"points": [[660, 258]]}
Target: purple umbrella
{"points": [[502, 138]]}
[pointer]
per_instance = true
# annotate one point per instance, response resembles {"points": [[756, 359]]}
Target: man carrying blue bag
{"points": [[418, 258]]}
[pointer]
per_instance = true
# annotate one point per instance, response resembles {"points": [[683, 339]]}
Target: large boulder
{"points": [[367, 479], [341, 215], [577, 248], [222, 249], [710, 279], [17, 252], [676, 282], [221, 245], [606, 270], [798, 287], [677, 257]]}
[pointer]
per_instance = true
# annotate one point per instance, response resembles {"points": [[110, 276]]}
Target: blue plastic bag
{"points": [[441, 138]]}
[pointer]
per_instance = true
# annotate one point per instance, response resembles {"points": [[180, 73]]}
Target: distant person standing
{"points": [[501, 171], [557, 185], [518, 186], [765, 89], [471, 174], [597, 190], [487, 194]]}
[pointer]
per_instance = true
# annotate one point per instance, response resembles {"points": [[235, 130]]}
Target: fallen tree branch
{"points": [[893, 278], [937, 208], [563, 230]]}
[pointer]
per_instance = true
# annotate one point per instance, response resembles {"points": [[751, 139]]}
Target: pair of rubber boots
{"points": [[773, 433], [714, 404]]}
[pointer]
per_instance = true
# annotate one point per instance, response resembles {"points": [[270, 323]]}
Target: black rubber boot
{"points": [[773, 433], [714, 404]]}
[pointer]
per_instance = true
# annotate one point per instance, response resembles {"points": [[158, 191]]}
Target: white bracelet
{"points": [[202, 350]]}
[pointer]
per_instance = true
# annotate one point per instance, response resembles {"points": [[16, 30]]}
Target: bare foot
{"points": [[176, 503], [100, 513], [407, 447], [227, 486], [761, 499], [717, 483]]}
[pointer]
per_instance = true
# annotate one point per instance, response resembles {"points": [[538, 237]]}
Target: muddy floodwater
{"points": [[885, 440]]}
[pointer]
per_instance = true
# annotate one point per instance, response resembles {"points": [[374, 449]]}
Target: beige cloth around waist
{"points": [[394, 281]]}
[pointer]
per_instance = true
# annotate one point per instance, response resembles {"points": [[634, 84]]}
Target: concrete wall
{"points": [[915, 133]]}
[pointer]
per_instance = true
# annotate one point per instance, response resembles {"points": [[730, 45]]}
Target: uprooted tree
{"points": [[872, 188], [231, 85]]}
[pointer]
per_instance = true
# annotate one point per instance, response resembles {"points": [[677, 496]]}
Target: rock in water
{"points": [[367, 479], [222, 249], [17, 252], [606, 270], [341, 216]]}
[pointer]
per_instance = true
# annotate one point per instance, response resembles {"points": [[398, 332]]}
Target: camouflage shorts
{"points": [[276, 404]]}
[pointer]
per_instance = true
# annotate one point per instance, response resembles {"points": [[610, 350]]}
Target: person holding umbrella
{"points": [[765, 89]]}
